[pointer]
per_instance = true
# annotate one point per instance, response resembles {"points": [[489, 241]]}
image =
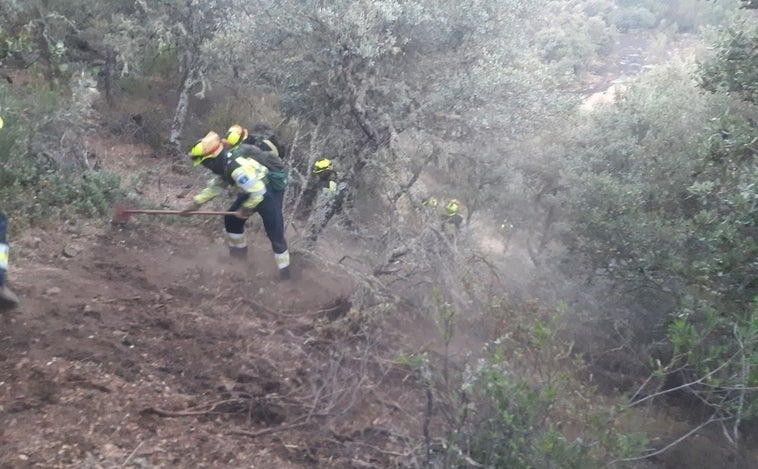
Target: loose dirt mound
{"points": [[145, 346]]}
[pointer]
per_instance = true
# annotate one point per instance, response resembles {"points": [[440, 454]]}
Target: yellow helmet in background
{"points": [[236, 135], [431, 202], [452, 207], [208, 147], [322, 165]]}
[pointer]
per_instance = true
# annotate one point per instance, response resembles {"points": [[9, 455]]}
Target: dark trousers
{"points": [[3, 230], [3, 226], [270, 210]]}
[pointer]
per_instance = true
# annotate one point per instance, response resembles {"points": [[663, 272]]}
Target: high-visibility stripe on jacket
{"points": [[3, 256]]}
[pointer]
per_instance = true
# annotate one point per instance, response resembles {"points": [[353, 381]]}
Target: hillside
{"points": [[142, 346]]}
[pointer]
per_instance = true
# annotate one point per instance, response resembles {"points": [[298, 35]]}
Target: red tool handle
{"points": [[177, 212]]}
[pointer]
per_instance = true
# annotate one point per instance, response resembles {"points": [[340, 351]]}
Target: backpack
{"points": [[277, 180], [277, 175]]}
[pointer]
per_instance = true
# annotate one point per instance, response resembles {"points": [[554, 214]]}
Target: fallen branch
{"points": [[378, 450], [188, 412], [299, 422]]}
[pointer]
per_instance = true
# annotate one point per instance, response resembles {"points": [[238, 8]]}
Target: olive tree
{"points": [[398, 92]]}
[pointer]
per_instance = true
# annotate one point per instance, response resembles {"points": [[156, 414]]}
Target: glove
{"points": [[329, 190], [245, 212], [189, 208]]}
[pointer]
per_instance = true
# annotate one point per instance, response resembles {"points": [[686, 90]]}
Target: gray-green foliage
{"points": [[734, 69], [715, 335], [660, 187], [454, 70], [688, 15], [575, 43], [516, 401], [46, 168], [715, 352], [628, 177], [510, 425], [661, 194]]}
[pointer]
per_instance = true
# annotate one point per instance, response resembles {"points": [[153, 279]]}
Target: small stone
{"points": [[71, 250], [52, 291]]}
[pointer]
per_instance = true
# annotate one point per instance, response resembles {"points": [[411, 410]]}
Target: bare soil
{"points": [[144, 346]]}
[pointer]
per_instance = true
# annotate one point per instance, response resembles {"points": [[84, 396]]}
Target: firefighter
{"points": [[8, 299], [451, 217], [246, 174], [431, 203], [330, 197], [327, 177]]}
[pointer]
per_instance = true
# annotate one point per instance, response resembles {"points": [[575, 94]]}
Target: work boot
{"points": [[284, 273], [238, 253], [8, 299]]}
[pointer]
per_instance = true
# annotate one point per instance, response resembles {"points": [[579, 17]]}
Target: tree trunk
{"points": [[110, 70], [180, 115]]}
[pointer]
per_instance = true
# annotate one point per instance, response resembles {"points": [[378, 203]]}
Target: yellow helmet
{"points": [[207, 147], [431, 202], [236, 135], [322, 165], [452, 207]]}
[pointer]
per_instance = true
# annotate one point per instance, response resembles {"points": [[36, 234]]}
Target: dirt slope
{"points": [[145, 347]]}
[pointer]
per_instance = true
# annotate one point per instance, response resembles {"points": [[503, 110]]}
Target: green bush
{"points": [[633, 18], [510, 426], [35, 188], [541, 418], [61, 194]]}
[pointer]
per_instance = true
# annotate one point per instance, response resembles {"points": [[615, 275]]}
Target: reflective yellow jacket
{"points": [[243, 174]]}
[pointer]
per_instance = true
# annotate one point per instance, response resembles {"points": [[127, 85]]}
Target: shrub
{"points": [[633, 18], [42, 179]]}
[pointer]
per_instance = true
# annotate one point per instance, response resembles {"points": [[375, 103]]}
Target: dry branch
{"points": [[299, 422]]}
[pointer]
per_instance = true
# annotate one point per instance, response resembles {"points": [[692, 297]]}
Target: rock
{"points": [[52, 291], [71, 250], [165, 297]]}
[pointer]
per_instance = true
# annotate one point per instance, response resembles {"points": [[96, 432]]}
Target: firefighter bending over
{"points": [[242, 169]]}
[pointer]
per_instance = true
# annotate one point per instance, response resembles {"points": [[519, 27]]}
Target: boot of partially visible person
{"points": [[238, 253], [8, 299], [283, 263]]}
